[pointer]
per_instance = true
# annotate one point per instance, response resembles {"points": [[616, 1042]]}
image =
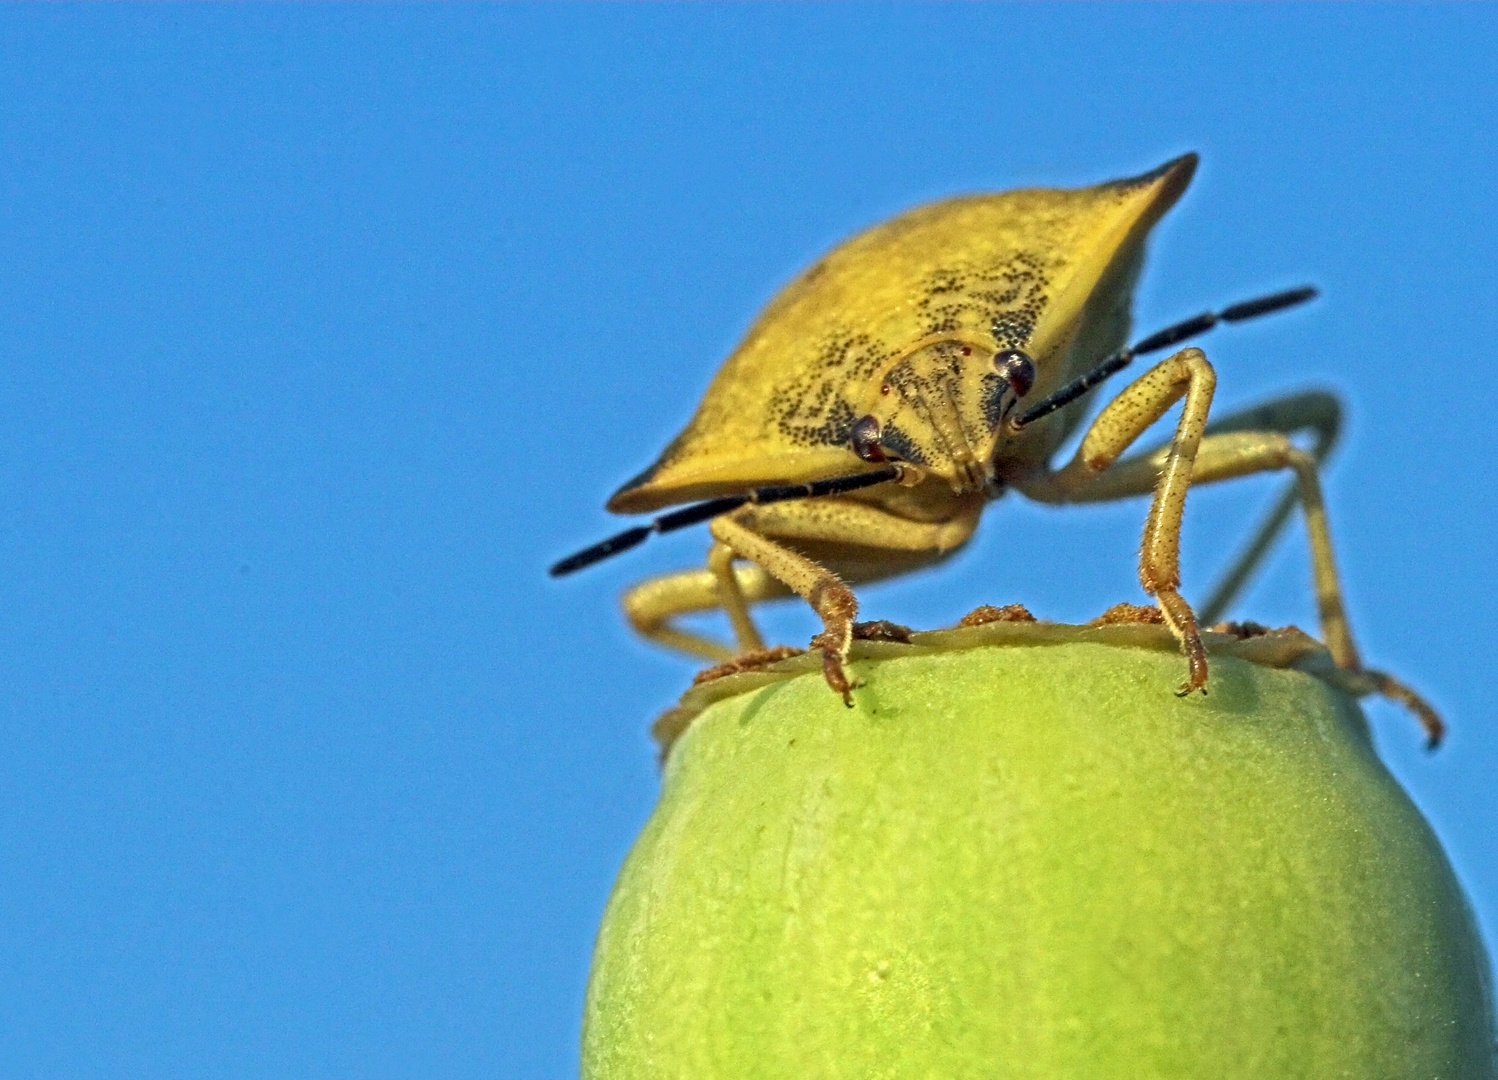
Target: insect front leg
{"points": [[832, 600], [863, 540], [1263, 448], [1232, 453], [1123, 420]]}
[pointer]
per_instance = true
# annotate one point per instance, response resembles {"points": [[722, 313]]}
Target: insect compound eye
{"points": [[865, 439], [1017, 369]]}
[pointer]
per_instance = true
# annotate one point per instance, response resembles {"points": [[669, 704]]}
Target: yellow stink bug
{"points": [[928, 365]]}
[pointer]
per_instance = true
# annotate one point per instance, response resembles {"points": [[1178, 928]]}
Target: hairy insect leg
{"points": [[866, 542], [1315, 412], [651, 605], [832, 600], [1232, 453], [720, 562], [1122, 421], [870, 542], [1253, 441], [1242, 453]]}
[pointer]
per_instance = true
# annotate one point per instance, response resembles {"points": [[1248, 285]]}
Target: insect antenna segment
{"points": [[696, 513], [1163, 339]]}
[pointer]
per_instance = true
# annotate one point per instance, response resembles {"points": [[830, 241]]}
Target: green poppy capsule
{"points": [[1031, 859]]}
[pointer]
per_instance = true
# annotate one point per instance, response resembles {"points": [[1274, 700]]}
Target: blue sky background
{"points": [[323, 331]]}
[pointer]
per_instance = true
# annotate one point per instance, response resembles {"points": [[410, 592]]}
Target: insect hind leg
{"points": [[1313, 411], [651, 606]]}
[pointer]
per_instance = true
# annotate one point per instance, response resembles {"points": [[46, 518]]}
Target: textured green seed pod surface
{"points": [[1036, 861]]}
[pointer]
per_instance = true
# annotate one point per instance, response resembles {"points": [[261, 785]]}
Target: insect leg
{"points": [[1314, 411], [1122, 421], [720, 562], [651, 605], [1224, 455], [818, 586], [864, 542]]}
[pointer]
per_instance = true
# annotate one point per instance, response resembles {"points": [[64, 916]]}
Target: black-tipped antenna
{"points": [[1163, 339], [711, 508]]}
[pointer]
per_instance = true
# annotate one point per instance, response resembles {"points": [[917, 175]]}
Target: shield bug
{"points": [[927, 366]]}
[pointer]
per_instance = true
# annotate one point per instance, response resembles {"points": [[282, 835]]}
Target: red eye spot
{"points": [[967, 350], [884, 389]]}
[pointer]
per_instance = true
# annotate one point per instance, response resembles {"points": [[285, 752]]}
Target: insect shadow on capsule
{"points": [[927, 366]]}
